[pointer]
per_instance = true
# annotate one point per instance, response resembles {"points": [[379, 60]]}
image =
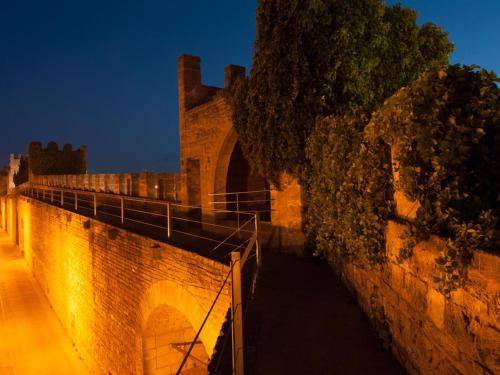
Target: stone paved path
{"points": [[32, 340], [308, 323]]}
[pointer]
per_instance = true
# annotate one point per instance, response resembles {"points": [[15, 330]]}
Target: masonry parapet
{"points": [[163, 185]]}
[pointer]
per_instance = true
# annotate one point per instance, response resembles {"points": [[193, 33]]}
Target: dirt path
{"points": [[32, 340]]}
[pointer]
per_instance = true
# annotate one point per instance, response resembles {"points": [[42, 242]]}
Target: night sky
{"points": [[104, 73]]}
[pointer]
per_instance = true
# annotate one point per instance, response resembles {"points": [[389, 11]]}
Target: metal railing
{"points": [[235, 277], [159, 218], [241, 244], [241, 202]]}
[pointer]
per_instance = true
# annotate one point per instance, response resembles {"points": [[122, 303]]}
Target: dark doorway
{"points": [[246, 190]]}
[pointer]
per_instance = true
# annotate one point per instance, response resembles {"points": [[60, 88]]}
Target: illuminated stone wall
{"points": [[9, 216], [207, 140], [145, 184], [432, 335], [104, 283]]}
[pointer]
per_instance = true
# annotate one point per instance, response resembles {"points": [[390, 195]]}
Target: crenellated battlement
{"points": [[52, 161], [144, 184]]}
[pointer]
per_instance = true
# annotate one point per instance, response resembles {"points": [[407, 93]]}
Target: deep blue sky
{"points": [[104, 73]]}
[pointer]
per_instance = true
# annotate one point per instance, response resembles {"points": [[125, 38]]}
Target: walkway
{"points": [[32, 340], [306, 322]]}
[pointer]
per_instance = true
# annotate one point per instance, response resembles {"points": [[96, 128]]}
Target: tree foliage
{"points": [[349, 192], [447, 130], [321, 58]]}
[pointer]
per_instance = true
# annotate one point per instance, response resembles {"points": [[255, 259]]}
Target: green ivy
{"points": [[349, 192], [316, 58], [446, 127]]}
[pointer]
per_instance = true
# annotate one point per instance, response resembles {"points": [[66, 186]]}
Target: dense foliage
{"points": [[447, 130], [320, 58], [22, 175], [322, 70], [349, 192]]}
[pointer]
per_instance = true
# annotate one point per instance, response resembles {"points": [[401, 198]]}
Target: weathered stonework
{"points": [[146, 184], [104, 283], [208, 143], [430, 334]]}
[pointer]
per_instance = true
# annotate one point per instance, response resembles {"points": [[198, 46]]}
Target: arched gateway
{"points": [[213, 167]]}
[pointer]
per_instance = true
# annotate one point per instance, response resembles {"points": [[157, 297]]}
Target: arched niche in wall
{"points": [[166, 306]]}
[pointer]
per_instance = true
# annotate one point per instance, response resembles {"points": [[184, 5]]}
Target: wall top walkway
{"points": [[144, 184]]}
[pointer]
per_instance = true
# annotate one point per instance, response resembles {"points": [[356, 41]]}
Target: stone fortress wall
{"points": [[145, 184], [212, 163], [429, 333], [108, 286]]}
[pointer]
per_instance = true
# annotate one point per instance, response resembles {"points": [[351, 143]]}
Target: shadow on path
{"points": [[309, 323]]}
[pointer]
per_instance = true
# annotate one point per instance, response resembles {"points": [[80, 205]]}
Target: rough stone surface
{"points": [[430, 334], [104, 283], [208, 141], [146, 184]]}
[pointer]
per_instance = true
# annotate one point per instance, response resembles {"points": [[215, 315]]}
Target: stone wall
{"points": [[286, 210], [430, 334], [145, 184], [208, 139], [9, 221], [204, 127], [104, 282]]}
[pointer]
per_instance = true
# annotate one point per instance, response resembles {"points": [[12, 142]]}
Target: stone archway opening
{"points": [[165, 340], [253, 189]]}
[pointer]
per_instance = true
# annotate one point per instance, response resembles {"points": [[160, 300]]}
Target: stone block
{"points": [[435, 307], [488, 343], [423, 262], [393, 239], [459, 324], [487, 264]]}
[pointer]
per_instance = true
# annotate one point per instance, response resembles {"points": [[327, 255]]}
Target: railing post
{"points": [[51, 195], [95, 204], [238, 210], [43, 194], [169, 220], [37, 194], [122, 208], [62, 198], [258, 253], [76, 201], [237, 314]]}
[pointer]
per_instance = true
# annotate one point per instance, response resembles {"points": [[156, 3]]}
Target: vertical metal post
{"points": [[238, 210], [62, 198], [237, 314], [258, 254], [76, 201], [95, 204], [122, 207], [43, 194], [51, 195], [169, 220], [37, 196]]}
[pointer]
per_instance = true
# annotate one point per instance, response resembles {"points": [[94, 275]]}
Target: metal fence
{"points": [[236, 204], [173, 222]]}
